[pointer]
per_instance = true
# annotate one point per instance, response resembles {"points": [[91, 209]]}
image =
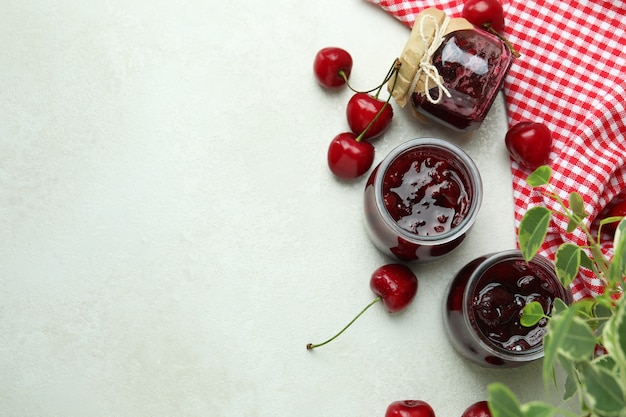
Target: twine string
{"points": [[426, 66]]}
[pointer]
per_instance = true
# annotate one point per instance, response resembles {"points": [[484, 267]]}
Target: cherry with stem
{"points": [[393, 70], [349, 156], [332, 67], [396, 287]]}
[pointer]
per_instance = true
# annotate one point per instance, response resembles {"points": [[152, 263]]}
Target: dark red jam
{"points": [[425, 193], [473, 65], [501, 294], [484, 306], [422, 199]]}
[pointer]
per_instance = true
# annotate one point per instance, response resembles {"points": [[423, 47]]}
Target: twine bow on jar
{"points": [[417, 72], [426, 66]]}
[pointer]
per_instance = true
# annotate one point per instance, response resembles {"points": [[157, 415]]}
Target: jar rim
{"points": [[472, 174], [536, 352]]}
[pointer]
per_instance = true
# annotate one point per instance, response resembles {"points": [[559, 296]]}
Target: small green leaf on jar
{"points": [[531, 314]]}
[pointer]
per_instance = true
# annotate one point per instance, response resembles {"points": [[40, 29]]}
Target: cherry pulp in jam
{"points": [[473, 65], [422, 199], [425, 193], [484, 306]]}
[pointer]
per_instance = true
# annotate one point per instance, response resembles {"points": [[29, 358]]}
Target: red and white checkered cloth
{"points": [[571, 76]]}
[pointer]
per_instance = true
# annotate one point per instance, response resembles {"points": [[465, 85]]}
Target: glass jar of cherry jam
{"points": [[484, 303], [473, 65], [422, 199]]}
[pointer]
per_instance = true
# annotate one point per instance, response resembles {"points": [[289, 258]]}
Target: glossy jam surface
{"points": [[484, 304], [422, 199], [425, 193], [473, 65], [501, 294]]}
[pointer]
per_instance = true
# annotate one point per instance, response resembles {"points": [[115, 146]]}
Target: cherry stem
{"points": [[487, 26], [311, 346], [394, 69]]}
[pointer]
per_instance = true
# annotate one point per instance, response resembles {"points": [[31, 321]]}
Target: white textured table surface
{"points": [[171, 237]]}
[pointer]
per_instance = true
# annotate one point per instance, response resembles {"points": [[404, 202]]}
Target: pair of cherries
{"points": [[418, 408], [351, 154]]}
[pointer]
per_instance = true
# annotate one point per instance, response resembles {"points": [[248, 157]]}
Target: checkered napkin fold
{"points": [[571, 77]]}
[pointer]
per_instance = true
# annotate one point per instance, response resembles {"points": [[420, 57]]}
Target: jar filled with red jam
{"points": [[422, 199], [484, 303], [472, 65]]}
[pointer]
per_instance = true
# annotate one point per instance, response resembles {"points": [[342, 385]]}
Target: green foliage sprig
{"points": [[587, 339]]}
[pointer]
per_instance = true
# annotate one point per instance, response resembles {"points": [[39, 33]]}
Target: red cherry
{"points": [[484, 14], [529, 144], [617, 210], [478, 409], [348, 156], [362, 109], [332, 67], [395, 285], [410, 408]]}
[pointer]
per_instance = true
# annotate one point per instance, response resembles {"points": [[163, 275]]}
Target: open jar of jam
{"points": [[473, 65], [483, 308], [422, 199]]}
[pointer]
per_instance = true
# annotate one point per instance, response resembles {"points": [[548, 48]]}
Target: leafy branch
{"points": [[587, 339], [570, 257]]}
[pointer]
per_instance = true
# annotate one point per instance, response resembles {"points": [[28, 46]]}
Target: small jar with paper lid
{"points": [[451, 72]]}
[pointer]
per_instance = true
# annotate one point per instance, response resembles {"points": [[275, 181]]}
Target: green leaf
{"points": [[570, 388], [577, 211], [585, 307], [531, 314], [614, 334], [567, 335], [602, 310], [577, 205], [603, 392], [532, 230], [578, 342], [559, 307], [572, 224], [572, 382], [605, 361], [502, 401], [617, 270], [612, 219], [538, 409], [541, 176], [567, 262]]}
